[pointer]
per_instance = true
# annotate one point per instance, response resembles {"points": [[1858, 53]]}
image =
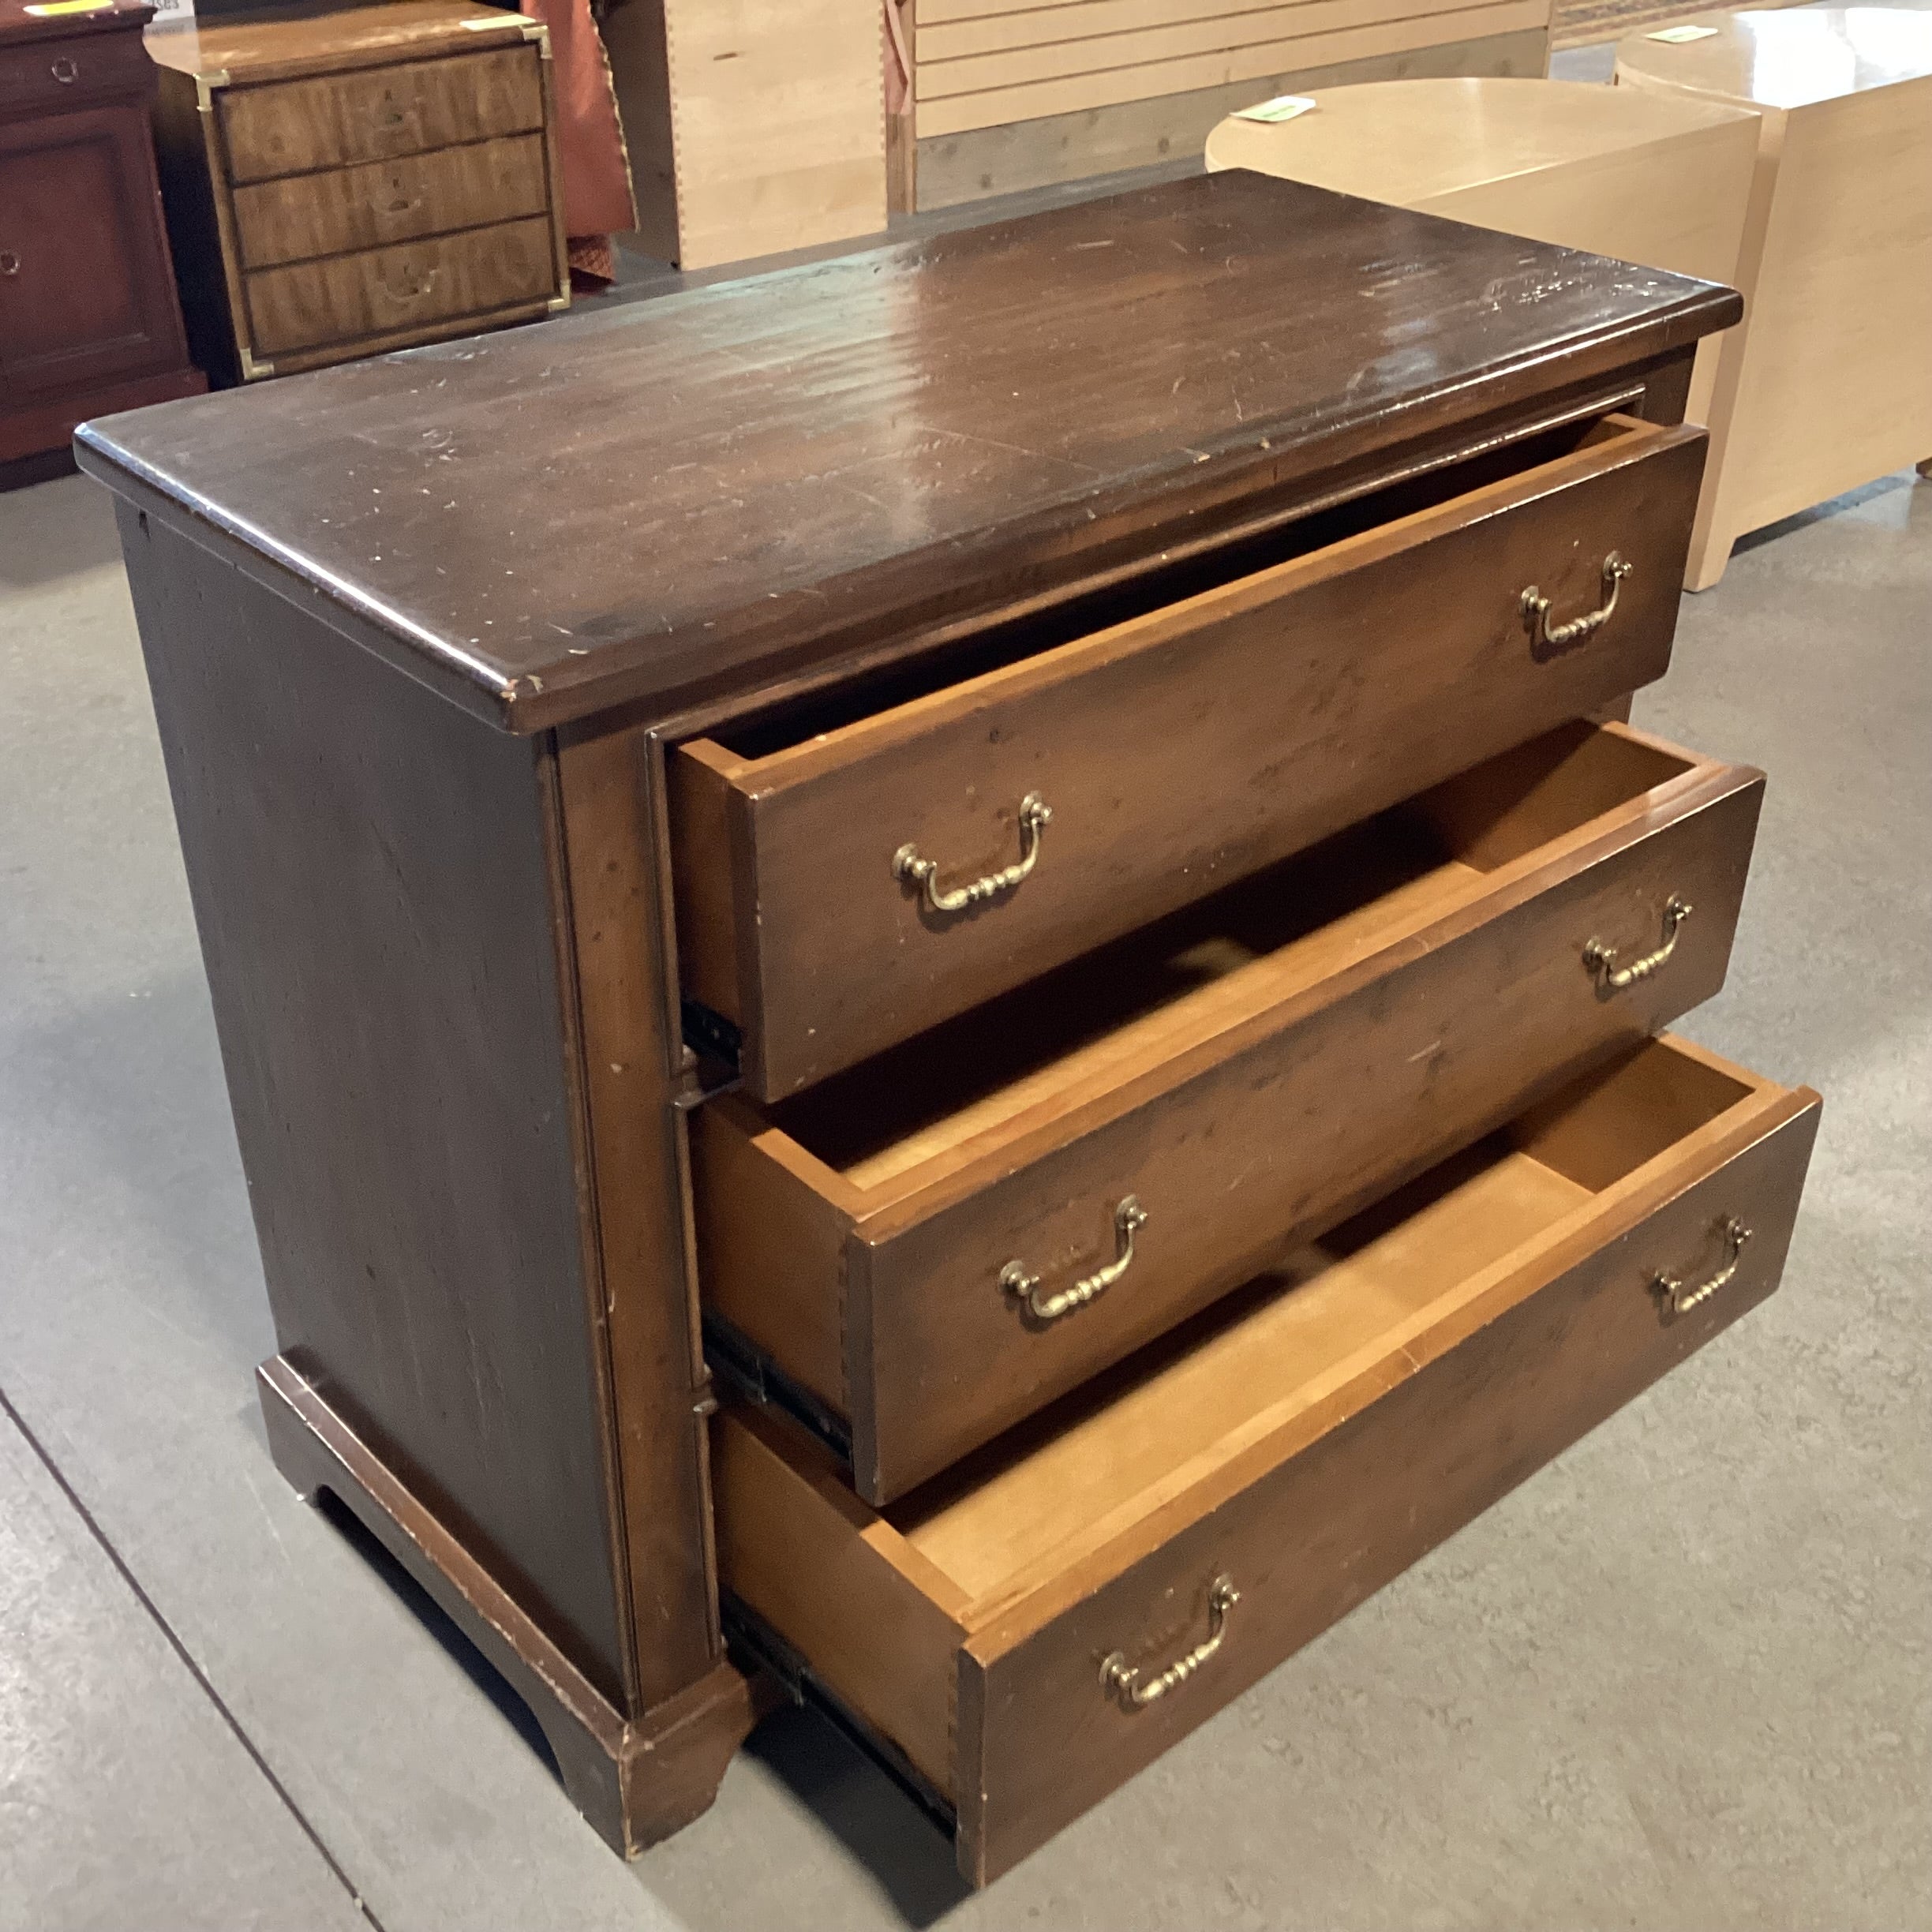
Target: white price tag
{"points": [[1676, 37], [1282, 107]]}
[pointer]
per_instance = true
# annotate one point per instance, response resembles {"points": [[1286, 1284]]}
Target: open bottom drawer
{"points": [[1031, 1629]]}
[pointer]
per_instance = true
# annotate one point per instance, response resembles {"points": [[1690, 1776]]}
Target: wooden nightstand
{"points": [[347, 183], [88, 320]]}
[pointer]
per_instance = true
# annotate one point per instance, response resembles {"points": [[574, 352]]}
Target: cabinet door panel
{"points": [[85, 291]]}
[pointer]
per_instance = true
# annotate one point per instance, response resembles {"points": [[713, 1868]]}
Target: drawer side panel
{"points": [[800, 1551]]}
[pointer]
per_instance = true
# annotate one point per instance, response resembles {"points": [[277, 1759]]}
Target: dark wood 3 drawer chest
{"points": [[944, 975]]}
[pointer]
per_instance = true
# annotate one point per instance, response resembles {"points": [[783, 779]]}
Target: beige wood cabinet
{"points": [[1827, 384]]}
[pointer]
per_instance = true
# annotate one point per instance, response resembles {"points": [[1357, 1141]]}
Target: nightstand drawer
{"points": [[348, 297], [1027, 1635], [841, 890], [337, 120], [384, 202], [923, 1251], [48, 76]]}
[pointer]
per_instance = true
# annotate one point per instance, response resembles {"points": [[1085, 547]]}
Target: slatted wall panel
{"points": [[982, 63]]}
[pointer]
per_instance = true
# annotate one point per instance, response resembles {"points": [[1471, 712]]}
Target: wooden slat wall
{"points": [[982, 63]]}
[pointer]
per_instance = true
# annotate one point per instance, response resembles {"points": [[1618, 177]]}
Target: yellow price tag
{"points": [[52, 9]]}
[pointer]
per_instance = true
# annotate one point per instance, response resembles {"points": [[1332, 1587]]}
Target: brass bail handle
{"points": [[1682, 1300], [1600, 960], [1016, 1281], [1137, 1691], [1035, 813], [1545, 636]]}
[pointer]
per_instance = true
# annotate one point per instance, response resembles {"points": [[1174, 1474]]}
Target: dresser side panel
{"points": [[373, 888]]}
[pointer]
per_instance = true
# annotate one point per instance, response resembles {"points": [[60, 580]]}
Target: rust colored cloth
{"points": [[898, 58], [590, 142]]}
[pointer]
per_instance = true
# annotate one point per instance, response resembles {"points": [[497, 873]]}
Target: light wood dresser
{"points": [[938, 997], [338, 184], [1827, 385]]}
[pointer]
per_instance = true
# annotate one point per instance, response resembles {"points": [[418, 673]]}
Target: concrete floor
{"points": [[1679, 1679]]}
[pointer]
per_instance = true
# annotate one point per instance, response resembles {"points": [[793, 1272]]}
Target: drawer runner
{"points": [[738, 1362], [747, 1634]]}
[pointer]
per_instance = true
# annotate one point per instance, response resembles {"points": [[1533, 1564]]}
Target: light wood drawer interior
{"points": [[1307, 1439], [1428, 965], [290, 127], [1353, 657], [345, 209], [347, 297]]}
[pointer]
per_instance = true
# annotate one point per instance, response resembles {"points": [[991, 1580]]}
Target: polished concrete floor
{"points": [[1680, 1679]]}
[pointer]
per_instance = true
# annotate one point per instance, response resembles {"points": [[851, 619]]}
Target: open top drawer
{"points": [[926, 1249], [844, 883], [1029, 1630]]}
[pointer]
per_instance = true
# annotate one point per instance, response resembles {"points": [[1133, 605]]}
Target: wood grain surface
{"points": [[1344, 1415], [1162, 55], [253, 47], [1178, 751], [373, 876], [1430, 969], [1825, 386], [1541, 1362], [636, 1204], [387, 201], [945, 429], [339, 120], [412, 285]]}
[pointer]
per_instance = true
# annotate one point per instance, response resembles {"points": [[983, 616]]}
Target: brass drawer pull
{"points": [[64, 71], [1014, 1279], [1682, 1300], [1546, 637], [1600, 960], [906, 864], [1118, 1679], [424, 283], [9, 263]]}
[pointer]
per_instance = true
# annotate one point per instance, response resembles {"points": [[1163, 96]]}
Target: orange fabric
{"points": [[898, 58], [596, 171]]}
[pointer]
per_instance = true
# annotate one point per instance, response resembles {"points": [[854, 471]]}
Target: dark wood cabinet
{"points": [[89, 320]]}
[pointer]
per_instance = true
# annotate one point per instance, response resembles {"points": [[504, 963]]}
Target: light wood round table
{"points": [[1661, 181], [1828, 382]]}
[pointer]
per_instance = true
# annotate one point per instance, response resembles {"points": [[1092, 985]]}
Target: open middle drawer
{"points": [[1027, 1632], [845, 882], [927, 1248]]}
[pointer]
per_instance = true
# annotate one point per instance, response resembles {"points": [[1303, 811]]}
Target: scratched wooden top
{"points": [[727, 486]]}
